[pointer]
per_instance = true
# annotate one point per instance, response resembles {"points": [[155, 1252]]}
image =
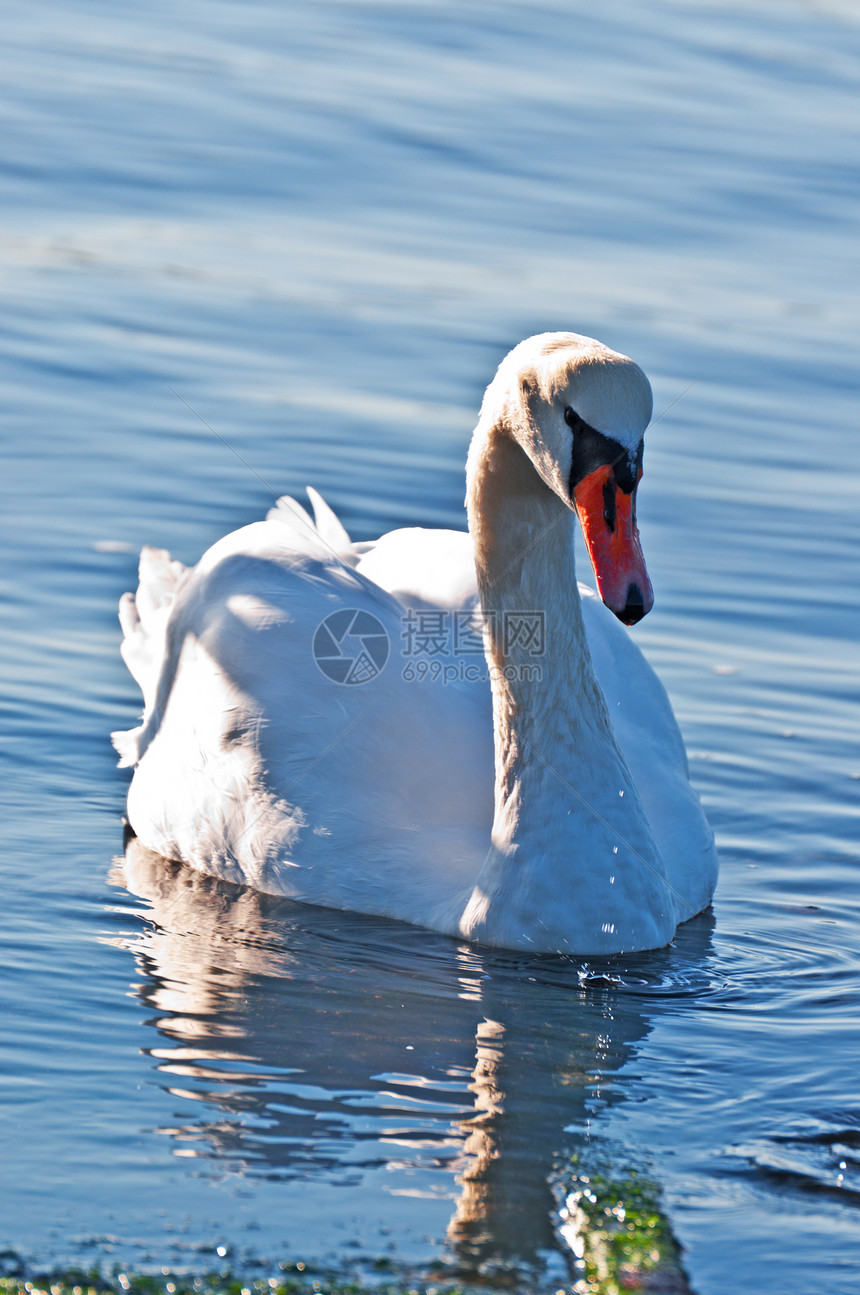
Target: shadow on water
{"points": [[316, 1044]]}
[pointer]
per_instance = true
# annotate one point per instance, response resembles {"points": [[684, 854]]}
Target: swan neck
{"points": [[568, 822], [547, 705]]}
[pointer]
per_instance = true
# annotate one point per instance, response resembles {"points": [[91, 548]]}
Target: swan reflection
{"points": [[310, 1044]]}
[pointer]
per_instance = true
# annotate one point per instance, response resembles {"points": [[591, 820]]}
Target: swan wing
{"points": [[329, 525], [260, 761]]}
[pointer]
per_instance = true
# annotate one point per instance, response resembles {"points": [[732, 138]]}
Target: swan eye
{"points": [[571, 417]]}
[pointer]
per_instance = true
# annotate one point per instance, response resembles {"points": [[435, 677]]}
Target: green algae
{"points": [[619, 1232], [611, 1223], [92, 1283], [296, 1280]]}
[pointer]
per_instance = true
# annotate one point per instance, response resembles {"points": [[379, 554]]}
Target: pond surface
{"points": [[321, 225]]}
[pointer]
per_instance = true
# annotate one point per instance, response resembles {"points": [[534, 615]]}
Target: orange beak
{"points": [[607, 515]]}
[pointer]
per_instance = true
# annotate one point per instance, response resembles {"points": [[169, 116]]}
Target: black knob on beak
{"points": [[634, 608]]}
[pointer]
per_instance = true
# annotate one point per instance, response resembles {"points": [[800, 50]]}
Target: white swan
{"points": [[255, 765]]}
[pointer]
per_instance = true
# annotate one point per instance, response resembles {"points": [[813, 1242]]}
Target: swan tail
{"points": [[127, 746], [143, 619], [159, 578]]}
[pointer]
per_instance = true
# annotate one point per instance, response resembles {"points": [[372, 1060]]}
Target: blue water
{"points": [[322, 225]]}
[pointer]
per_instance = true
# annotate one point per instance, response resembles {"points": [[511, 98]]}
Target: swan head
{"points": [[579, 411]]}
